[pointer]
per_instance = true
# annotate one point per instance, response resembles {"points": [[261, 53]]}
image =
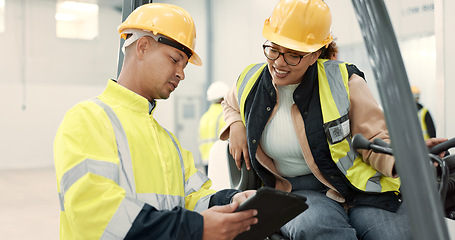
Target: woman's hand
{"points": [[435, 141], [243, 196], [238, 144]]}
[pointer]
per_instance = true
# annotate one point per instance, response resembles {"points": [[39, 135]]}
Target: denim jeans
{"points": [[327, 219]]}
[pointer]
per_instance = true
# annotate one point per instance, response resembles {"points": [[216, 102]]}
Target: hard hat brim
{"points": [[293, 44]]}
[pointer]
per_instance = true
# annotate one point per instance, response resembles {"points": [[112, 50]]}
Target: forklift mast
{"points": [[423, 203]]}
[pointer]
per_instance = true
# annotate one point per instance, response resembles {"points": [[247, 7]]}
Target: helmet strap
{"points": [[138, 33]]}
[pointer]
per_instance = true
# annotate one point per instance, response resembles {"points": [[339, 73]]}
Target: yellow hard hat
{"points": [[166, 19], [301, 25], [415, 90]]}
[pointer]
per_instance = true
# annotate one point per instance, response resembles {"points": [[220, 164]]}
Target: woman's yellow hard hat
{"points": [[301, 25]]}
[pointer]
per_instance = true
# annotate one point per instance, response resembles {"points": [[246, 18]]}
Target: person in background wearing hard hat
{"points": [[292, 119], [426, 121], [120, 175], [212, 120]]}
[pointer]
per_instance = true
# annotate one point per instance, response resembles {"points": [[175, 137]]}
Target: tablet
{"points": [[275, 208]]}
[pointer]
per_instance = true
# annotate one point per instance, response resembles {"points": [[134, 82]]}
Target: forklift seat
{"points": [[219, 159]]}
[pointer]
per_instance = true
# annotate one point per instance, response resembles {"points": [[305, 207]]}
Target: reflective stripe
{"points": [[203, 203], [123, 219], [182, 204], [126, 166], [374, 183], [246, 74], [244, 84], [347, 161], [62, 202], [108, 170], [217, 125], [161, 201], [338, 88], [195, 182], [422, 113]]}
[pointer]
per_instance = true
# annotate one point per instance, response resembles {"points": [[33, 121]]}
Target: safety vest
{"points": [[422, 113], [104, 177], [335, 104], [210, 126]]}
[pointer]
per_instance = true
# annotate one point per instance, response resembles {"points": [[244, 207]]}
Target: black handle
{"points": [[443, 146]]}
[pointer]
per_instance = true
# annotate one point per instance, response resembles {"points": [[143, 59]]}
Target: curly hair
{"points": [[330, 52]]}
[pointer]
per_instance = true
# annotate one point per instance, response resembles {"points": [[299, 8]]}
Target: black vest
{"points": [[260, 101]]}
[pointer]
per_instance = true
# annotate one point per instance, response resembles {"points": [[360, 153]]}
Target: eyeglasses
{"points": [[292, 59]]}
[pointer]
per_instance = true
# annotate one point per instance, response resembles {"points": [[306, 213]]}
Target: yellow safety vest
{"points": [[335, 104], [422, 113], [112, 157], [210, 126]]}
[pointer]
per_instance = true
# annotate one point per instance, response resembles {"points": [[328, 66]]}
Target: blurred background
{"points": [[56, 53]]}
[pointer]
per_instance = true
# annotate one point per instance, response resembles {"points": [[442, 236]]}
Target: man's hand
{"points": [[238, 144], [220, 222]]}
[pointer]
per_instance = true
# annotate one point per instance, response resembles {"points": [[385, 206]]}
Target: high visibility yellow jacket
{"points": [[118, 171], [426, 122], [210, 126], [421, 113]]}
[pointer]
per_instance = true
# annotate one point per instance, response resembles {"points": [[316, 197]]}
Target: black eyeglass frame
{"points": [[280, 53]]}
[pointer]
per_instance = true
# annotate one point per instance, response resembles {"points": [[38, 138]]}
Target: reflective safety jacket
{"points": [[329, 98], [210, 126], [426, 122], [422, 113], [120, 175]]}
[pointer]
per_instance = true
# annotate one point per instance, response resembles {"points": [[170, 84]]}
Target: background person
{"points": [[426, 121], [292, 119], [212, 121], [120, 175]]}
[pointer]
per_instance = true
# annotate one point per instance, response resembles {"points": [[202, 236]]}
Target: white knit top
{"points": [[279, 139]]}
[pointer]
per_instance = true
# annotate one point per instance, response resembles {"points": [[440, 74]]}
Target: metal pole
{"points": [[423, 203], [209, 59], [23, 50], [128, 7]]}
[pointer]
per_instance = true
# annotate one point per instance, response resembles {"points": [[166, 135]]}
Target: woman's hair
{"points": [[330, 52]]}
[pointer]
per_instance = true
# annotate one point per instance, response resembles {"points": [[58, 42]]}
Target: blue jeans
{"points": [[327, 219]]}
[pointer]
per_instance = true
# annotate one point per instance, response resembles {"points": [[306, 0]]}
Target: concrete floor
{"points": [[29, 207]]}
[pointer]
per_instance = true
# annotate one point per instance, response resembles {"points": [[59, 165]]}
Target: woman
{"points": [[292, 119]]}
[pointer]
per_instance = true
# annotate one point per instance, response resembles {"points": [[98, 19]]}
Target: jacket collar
{"points": [[118, 95]]}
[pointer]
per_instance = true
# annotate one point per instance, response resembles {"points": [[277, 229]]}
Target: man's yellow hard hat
{"points": [[169, 20]]}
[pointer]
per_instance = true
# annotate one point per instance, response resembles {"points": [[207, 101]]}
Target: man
{"points": [[426, 121], [212, 120], [120, 175]]}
